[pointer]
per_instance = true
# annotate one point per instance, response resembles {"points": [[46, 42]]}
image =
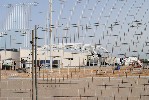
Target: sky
{"points": [[120, 26]]}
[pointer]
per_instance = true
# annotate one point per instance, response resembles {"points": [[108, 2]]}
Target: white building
{"points": [[63, 58], [63, 54]]}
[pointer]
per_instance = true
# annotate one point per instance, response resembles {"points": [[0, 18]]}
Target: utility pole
{"points": [[36, 63], [32, 42]]}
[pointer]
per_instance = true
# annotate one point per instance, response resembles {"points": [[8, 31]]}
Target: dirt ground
{"points": [[84, 83], [76, 72]]}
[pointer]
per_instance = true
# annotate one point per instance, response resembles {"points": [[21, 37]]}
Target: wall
{"points": [[79, 59]]}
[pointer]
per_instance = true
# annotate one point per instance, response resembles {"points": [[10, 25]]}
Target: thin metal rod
{"points": [[0, 73], [50, 32], [36, 63], [32, 64], [0, 67]]}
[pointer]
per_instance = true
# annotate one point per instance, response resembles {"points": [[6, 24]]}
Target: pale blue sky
{"points": [[86, 13]]}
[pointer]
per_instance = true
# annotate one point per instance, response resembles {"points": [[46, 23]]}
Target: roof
{"points": [[14, 50]]}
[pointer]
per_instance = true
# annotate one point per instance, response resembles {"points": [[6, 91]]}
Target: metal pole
{"points": [[0, 67], [32, 64], [39, 67], [93, 61], [0, 72], [36, 90], [50, 15], [59, 65]]}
